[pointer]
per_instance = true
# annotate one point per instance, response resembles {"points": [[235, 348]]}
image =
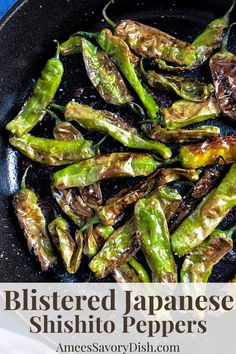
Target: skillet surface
{"points": [[26, 35]]}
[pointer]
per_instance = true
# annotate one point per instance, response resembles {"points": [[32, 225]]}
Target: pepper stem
{"points": [[136, 108], [143, 72], [107, 19], [58, 107], [231, 231], [23, 181], [227, 15], [96, 146], [93, 221], [86, 34], [57, 55], [224, 46], [53, 115]]}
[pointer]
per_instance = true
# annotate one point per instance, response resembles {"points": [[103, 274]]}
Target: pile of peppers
{"points": [[154, 218]]}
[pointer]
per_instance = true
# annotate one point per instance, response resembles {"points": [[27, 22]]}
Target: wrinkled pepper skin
{"points": [[206, 217], [149, 42], [70, 250], [43, 94], [72, 46], [222, 66], [188, 89], [221, 151], [118, 249], [203, 186], [198, 265], [33, 224], [113, 125], [73, 205], [66, 131], [104, 167], [154, 239], [169, 199], [183, 113], [154, 131], [104, 75], [52, 152], [120, 53]]}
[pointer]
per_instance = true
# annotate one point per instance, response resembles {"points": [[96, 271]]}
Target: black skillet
{"points": [[26, 35]]}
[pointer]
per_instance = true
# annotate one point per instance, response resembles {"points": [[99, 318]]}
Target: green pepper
{"points": [[73, 205], [53, 152], [222, 66], [154, 239], [33, 110], [203, 186], [70, 250], [207, 216], [169, 199], [104, 75], [72, 46], [188, 89], [183, 113], [154, 131], [221, 151], [197, 266], [105, 167], [33, 224], [126, 61], [113, 125]]}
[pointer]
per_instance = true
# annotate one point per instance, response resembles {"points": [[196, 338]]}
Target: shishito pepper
{"points": [[113, 125], [188, 89], [154, 131], [207, 216], [33, 224], [183, 113], [126, 61], [44, 91], [122, 244], [149, 42], [66, 131], [52, 152], [73, 205], [72, 46], [198, 265], [221, 150], [222, 66], [154, 239], [104, 167], [70, 250], [104, 75]]}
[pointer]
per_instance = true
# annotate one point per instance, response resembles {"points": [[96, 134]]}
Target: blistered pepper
{"points": [[52, 152], [222, 66], [207, 216], [154, 239], [221, 151], [183, 113], [105, 167], [154, 131], [113, 125], [72, 46], [198, 265], [44, 91], [70, 250], [104, 75], [33, 224]]}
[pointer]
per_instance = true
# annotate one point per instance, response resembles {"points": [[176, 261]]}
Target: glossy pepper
{"points": [[105, 167], [33, 224], [126, 61], [70, 250], [72, 46], [221, 150], [154, 239], [44, 91], [222, 66], [183, 113], [154, 131], [52, 152], [104, 75], [207, 216], [203, 186], [197, 266], [113, 125], [188, 89]]}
